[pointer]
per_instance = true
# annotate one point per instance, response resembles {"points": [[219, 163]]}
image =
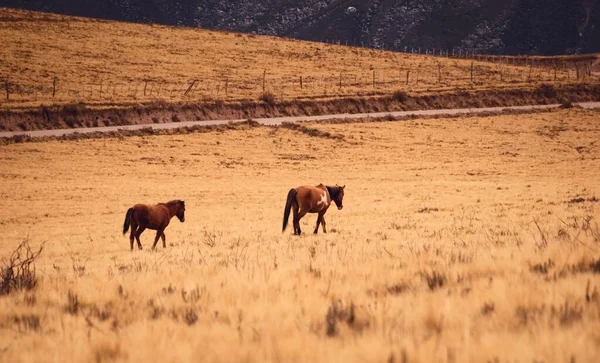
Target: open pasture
{"points": [[48, 59], [462, 239]]}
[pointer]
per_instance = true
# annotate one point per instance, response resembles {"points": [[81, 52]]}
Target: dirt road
{"points": [[280, 120]]}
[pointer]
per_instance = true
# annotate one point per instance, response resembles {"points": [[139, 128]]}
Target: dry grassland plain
{"points": [[107, 64], [461, 240]]}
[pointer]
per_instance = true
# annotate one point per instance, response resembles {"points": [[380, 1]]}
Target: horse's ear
{"points": [[343, 186]]}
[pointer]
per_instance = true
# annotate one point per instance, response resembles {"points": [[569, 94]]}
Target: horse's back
{"points": [[309, 196], [150, 214], [311, 189]]}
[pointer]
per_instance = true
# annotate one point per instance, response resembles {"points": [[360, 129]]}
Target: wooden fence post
{"points": [[192, 84], [407, 75], [7, 88], [54, 86], [340, 80], [471, 72], [374, 86], [301, 85], [264, 80]]}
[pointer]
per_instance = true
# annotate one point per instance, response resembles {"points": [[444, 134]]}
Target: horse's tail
{"points": [[127, 220], [288, 207]]}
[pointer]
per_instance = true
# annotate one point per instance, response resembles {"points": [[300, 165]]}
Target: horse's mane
{"points": [[176, 201], [333, 191]]}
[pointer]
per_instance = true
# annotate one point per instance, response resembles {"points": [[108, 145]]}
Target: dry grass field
{"points": [[103, 63], [462, 240]]}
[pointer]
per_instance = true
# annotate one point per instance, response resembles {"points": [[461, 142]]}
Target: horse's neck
{"points": [[172, 210], [331, 191]]}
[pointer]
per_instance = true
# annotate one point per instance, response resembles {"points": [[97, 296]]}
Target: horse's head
{"points": [[337, 194], [180, 211]]}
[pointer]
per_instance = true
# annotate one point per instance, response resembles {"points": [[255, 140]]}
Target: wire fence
{"points": [[484, 71]]}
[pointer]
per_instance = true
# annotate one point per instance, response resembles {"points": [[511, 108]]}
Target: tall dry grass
{"points": [[469, 239]]}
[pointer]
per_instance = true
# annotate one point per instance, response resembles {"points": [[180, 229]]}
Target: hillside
{"points": [[485, 26], [53, 59]]}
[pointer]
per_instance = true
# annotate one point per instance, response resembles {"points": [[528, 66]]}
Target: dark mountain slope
{"points": [[543, 27]]}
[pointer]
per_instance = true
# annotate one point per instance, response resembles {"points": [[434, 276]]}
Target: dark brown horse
{"points": [[156, 217], [309, 199]]}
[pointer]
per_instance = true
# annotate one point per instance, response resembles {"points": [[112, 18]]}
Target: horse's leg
{"points": [[139, 232], [158, 234], [134, 227], [319, 218], [164, 239], [295, 222], [323, 223], [297, 219]]}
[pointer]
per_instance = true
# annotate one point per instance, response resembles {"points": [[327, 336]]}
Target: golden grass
{"points": [[109, 63], [435, 257]]}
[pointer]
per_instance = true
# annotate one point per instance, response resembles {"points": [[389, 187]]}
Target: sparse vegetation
{"points": [[311, 131], [17, 272], [546, 90], [400, 96], [268, 98], [440, 243]]}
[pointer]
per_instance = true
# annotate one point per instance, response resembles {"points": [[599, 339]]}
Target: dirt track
{"points": [[280, 120]]}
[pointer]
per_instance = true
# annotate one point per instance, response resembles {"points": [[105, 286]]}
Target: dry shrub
{"points": [[400, 96], [26, 322], [567, 104], [542, 268], [310, 131], [268, 98], [107, 352], [338, 315], [101, 313], [18, 271], [74, 108], [397, 289], [211, 239], [567, 314], [488, 308], [73, 305], [546, 90], [250, 122], [190, 317], [591, 294], [529, 314], [435, 280]]}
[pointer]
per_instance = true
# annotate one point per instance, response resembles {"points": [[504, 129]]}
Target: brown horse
{"points": [[156, 217], [309, 199]]}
